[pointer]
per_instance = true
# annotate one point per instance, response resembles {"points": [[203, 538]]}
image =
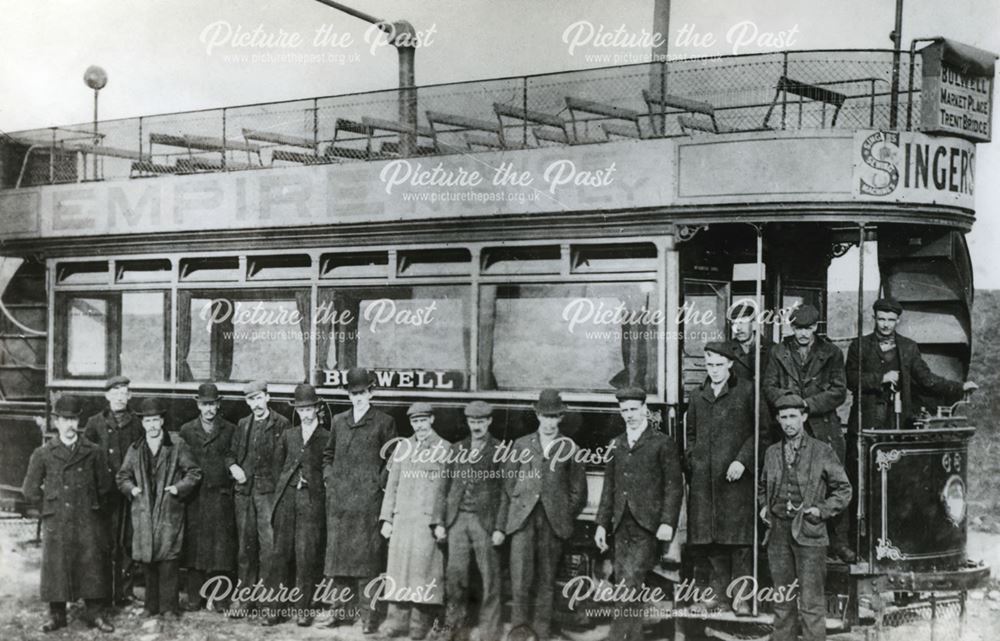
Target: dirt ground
{"points": [[22, 613]]}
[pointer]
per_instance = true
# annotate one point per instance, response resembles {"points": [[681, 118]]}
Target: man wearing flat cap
{"points": [[544, 492], [891, 364], [298, 518], [113, 430], [802, 485], [720, 458], [210, 539], [465, 514], [157, 476], [416, 561], [353, 465], [640, 501], [812, 367], [251, 464], [68, 480]]}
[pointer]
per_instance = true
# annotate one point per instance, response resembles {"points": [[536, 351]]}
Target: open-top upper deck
{"points": [[792, 127]]}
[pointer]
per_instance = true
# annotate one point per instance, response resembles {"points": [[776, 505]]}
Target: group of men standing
{"points": [[804, 489]]}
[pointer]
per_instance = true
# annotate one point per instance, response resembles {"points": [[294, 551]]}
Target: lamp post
{"points": [[96, 78], [897, 42]]}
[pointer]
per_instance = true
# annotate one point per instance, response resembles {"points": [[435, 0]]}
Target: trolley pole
{"points": [[402, 36], [897, 39]]}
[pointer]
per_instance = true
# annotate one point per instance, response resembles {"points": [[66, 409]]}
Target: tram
{"points": [[485, 240]]}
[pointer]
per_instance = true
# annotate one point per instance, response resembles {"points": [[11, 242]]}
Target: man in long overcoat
{"points": [[415, 568], [157, 475], [299, 514], [720, 457], [465, 514], [890, 361], [640, 501], [812, 367], [210, 537], [68, 479], [545, 490], [353, 464], [113, 430], [251, 464], [802, 484]]}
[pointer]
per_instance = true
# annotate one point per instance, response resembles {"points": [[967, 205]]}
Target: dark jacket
{"points": [[114, 442], [258, 464], [296, 459], [559, 484], [71, 487], [721, 430], [823, 483], [743, 365], [353, 467], [646, 479], [822, 384], [876, 405], [210, 542], [484, 477], [158, 521]]}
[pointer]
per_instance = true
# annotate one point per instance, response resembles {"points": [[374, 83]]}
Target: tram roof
{"points": [[706, 133]]}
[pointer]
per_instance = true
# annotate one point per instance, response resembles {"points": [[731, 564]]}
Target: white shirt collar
{"points": [[308, 430], [633, 434]]}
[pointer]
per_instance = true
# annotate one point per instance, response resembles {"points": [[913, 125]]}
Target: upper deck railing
{"points": [[842, 89]]}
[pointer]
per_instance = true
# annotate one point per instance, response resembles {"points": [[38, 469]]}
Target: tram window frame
{"points": [[486, 346], [726, 289], [220, 362], [332, 336], [112, 336]]}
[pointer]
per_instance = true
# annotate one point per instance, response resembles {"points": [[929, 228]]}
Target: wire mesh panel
{"points": [[941, 619]]}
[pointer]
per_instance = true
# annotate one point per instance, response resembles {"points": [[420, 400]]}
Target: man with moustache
{"points": [[640, 501], [892, 363], [299, 514], [745, 327], [113, 430], [210, 540], [416, 562], [465, 514], [810, 366], [251, 463], [68, 479], [802, 484], [720, 457], [157, 475], [545, 490], [353, 464]]}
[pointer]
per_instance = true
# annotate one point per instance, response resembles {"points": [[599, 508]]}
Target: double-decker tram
{"points": [[582, 231]]}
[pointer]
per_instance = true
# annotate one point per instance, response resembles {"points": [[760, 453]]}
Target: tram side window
{"points": [[232, 335], [398, 328], [583, 337], [107, 333]]}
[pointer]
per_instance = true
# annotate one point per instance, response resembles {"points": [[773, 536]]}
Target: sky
{"points": [[173, 55]]}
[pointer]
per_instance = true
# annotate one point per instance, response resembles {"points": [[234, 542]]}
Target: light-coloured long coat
{"points": [[415, 559]]}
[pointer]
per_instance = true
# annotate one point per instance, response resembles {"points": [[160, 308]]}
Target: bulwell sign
{"points": [[957, 90]]}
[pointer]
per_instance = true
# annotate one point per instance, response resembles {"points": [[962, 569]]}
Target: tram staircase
{"points": [[23, 319], [930, 273]]}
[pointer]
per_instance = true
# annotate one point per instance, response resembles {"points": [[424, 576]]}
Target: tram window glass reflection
{"points": [[143, 336], [584, 337], [704, 314], [239, 336], [421, 328], [86, 336]]}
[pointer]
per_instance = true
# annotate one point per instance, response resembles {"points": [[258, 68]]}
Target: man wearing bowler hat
{"points": [[157, 475], [810, 366], [416, 562], [465, 513], [210, 538], [721, 461], [251, 463], [68, 479], [640, 502], [353, 464], [113, 430], [299, 514], [545, 490], [891, 365], [802, 484]]}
